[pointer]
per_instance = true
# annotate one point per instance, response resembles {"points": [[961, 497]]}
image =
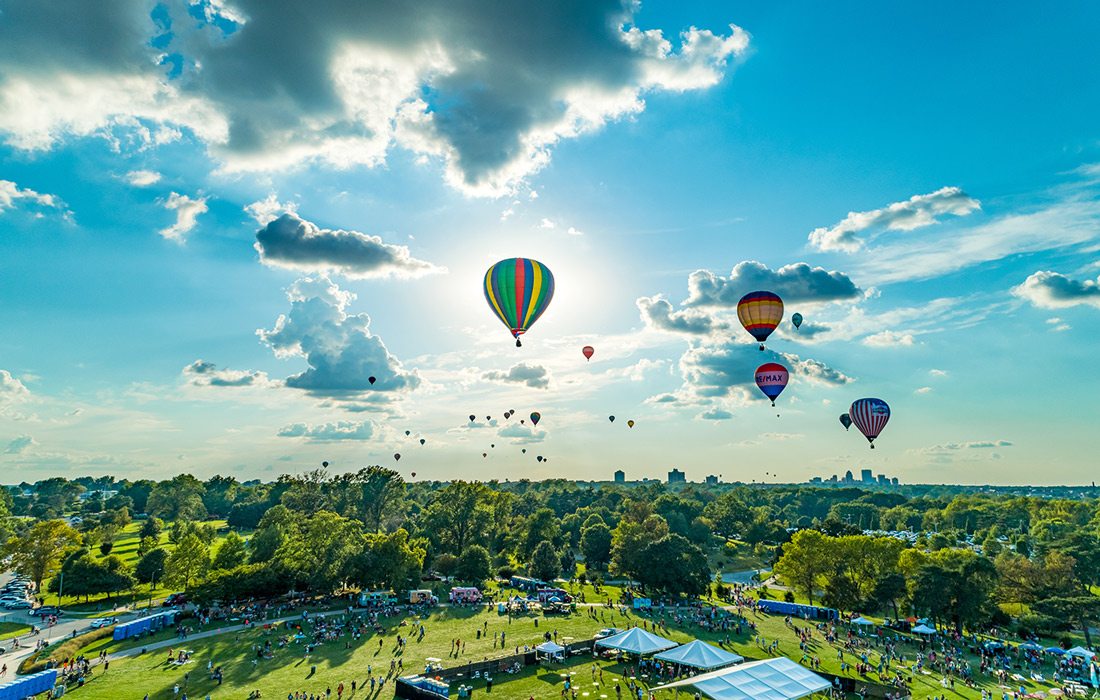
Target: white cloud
{"points": [[889, 339], [1058, 325], [12, 196], [486, 89], [187, 214], [534, 376], [338, 346], [203, 373], [11, 389], [1051, 290], [923, 390], [20, 445], [657, 313], [296, 244], [266, 210], [142, 178], [522, 434], [573, 231], [938, 372], [798, 282], [916, 212], [329, 432], [716, 414], [547, 223]]}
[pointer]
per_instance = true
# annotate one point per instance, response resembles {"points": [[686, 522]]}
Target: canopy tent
{"points": [[636, 641], [861, 620], [923, 629], [549, 650], [699, 654], [771, 679], [1055, 650], [1030, 646], [1082, 652]]}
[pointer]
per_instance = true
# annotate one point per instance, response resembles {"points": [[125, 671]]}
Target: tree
{"points": [[151, 566], [220, 492], [596, 546], [459, 516], [677, 566], [474, 565], [84, 576], [188, 563], [542, 526], [320, 552], [231, 553], [806, 559], [178, 498], [152, 527], [37, 553], [375, 495], [390, 560], [629, 539], [545, 562]]}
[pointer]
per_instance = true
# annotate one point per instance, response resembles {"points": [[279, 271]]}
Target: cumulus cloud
{"points": [[657, 313], [12, 196], [889, 339], [203, 373], [795, 283], [187, 213], [534, 376], [341, 351], [923, 390], [142, 178], [296, 244], [522, 434], [816, 371], [1057, 325], [266, 210], [11, 389], [938, 372], [328, 432], [574, 231], [954, 447], [916, 212], [726, 370], [1052, 290], [20, 445], [716, 414], [488, 89]]}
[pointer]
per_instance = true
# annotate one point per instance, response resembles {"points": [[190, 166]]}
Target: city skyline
{"points": [[208, 251]]}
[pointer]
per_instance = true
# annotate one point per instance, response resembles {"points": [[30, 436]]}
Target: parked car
{"points": [[175, 599], [103, 622], [48, 610], [18, 605]]}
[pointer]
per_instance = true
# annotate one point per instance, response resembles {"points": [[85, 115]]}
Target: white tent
{"points": [[699, 654], [771, 679], [923, 629], [549, 650], [861, 620], [1081, 651], [636, 641]]}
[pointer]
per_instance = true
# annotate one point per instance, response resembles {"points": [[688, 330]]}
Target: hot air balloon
{"points": [[324, 464], [422, 441], [535, 418], [414, 475], [870, 416], [524, 450], [630, 424], [472, 418], [408, 433], [484, 454], [493, 445], [488, 418], [539, 458], [772, 377], [518, 291], [796, 319], [522, 422], [397, 456], [372, 380], [588, 351], [845, 420], [611, 418], [760, 313]]}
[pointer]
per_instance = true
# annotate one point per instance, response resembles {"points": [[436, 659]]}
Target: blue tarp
{"points": [[151, 623], [805, 611], [25, 687]]}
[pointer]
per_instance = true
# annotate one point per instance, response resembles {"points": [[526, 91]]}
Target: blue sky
{"points": [[920, 183]]}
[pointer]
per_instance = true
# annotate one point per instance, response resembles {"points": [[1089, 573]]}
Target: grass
{"points": [[290, 670], [13, 629]]}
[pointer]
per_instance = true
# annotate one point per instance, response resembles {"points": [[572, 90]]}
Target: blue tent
{"points": [[1055, 650]]}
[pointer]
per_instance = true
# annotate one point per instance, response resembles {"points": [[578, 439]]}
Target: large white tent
{"points": [[549, 650], [636, 641], [1082, 652], [923, 629], [699, 654], [771, 679]]}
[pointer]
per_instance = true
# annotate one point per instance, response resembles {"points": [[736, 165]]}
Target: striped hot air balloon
{"points": [[870, 416], [518, 291], [760, 313]]}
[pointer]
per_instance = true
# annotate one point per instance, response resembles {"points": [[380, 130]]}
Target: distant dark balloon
{"points": [[522, 422], [324, 464], [524, 450], [472, 418], [372, 380], [488, 418], [408, 433], [484, 454], [397, 456], [422, 441], [414, 475], [630, 424], [611, 418], [535, 418], [493, 445], [539, 458], [796, 319], [845, 420]]}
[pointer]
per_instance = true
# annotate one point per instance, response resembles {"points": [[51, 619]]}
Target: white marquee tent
{"points": [[699, 654], [771, 679], [923, 629], [636, 641], [549, 650], [1082, 652]]}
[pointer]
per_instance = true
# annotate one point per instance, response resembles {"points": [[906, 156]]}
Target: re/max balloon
{"points": [[772, 378], [760, 313], [870, 416], [518, 290]]}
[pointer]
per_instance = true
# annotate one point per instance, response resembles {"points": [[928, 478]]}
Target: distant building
{"points": [[676, 477], [620, 476], [883, 480], [894, 481], [848, 478], [815, 480], [867, 477], [712, 480]]}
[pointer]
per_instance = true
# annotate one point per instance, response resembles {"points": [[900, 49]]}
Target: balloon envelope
{"points": [[539, 458], [630, 424], [422, 441], [535, 418], [472, 417], [372, 380], [796, 319], [408, 433], [845, 420], [772, 378], [588, 351], [397, 456], [870, 416], [611, 418], [760, 313], [518, 291]]}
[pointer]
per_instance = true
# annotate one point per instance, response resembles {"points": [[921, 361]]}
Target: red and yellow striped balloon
{"points": [[760, 313]]}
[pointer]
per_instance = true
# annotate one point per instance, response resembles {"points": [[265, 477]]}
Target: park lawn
{"points": [[13, 629]]}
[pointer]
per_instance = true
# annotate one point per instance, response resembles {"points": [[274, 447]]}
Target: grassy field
{"points": [[13, 629], [337, 662]]}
